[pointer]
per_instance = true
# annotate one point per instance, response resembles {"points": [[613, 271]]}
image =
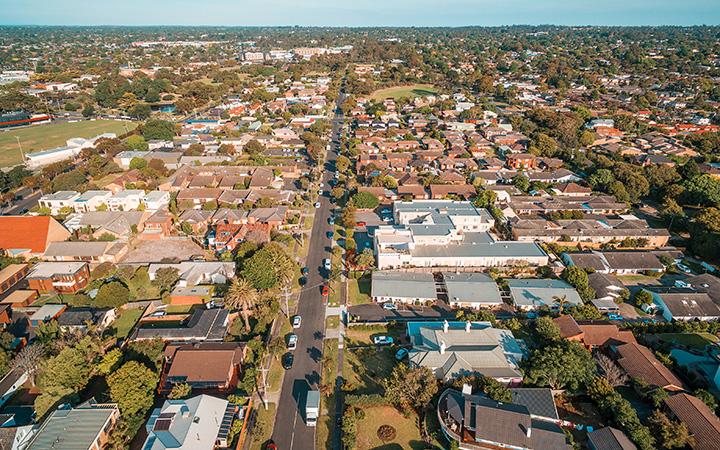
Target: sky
{"points": [[359, 12]]}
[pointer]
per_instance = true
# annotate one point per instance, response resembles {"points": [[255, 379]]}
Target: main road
{"points": [[290, 430]]}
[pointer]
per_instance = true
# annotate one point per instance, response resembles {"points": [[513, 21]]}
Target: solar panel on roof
{"points": [[162, 424]]}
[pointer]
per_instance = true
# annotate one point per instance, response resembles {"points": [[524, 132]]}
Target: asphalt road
{"points": [[290, 430], [28, 201]]}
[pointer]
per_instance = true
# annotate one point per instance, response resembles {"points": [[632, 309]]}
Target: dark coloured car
{"points": [[287, 360]]}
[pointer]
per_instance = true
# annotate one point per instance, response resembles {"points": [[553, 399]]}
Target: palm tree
{"points": [[560, 300], [243, 296]]}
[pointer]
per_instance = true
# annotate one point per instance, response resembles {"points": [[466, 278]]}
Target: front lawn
{"points": [[326, 422], [264, 421], [361, 335], [692, 340], [359, 290], [364, 369], [125, 322], [408, 91], [407, 437]]}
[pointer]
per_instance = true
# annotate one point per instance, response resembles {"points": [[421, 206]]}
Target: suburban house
{"points": [[701, 421], [156, 200], [684, 304], [609, 438], [477, 422], [79, 318], [608, 290], [29, 236], [91, 200], [11, 275], [206, 367], [46, 313], [86, 426], [617, 262], [126, 200], [20, 298], [120, 224], [471, 290], [533, 293], [444, 233], [10, 383], [60, 277], [199, 423], [403, 287], [592, 334], [88, 251], [58, 200], [639, 362], [200, 325], [193, 273], [453, 349]]}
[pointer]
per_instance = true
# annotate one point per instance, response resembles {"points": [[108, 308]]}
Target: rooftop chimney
{"points": [[442, 348], [467, 326], [528, 432], [446, 326]]}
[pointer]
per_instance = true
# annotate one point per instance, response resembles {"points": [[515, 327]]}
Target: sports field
{"points": [[411, 91], [52, 135]]}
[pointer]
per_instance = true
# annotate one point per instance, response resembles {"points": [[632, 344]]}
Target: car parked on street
{"points": [[287, 360], [292, 342], [296, 321], [327, 264]]}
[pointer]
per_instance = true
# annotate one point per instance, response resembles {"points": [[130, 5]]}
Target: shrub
{"points": [[386, 433]]}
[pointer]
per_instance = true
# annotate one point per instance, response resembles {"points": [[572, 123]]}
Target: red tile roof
{"points": [[702, 423], [24, 232]]}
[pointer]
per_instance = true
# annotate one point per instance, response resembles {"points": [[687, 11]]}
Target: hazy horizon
{"points": [[369, 13]]}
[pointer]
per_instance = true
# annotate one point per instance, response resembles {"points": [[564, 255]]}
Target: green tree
{"points": [[578, 278], [564, 365], [643, 297], [410, 387], [180, 391], [365, 200], [243, 296], [138, 163], [521, 182], [547, 329], [70, 369], [112, 294], [132, 386], [110, 361], [165, 278], [672, 434], [158, 129], [709, 399], [136, 142]]}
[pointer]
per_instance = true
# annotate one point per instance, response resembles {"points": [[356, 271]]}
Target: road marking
{"points": [[292, 437]]}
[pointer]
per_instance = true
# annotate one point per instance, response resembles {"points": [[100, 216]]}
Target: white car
{"points": [[292, 342], [296, 322], [317, 204], [320, 192], [327, 264], [390, 306], [321, 185], [383, 340]]}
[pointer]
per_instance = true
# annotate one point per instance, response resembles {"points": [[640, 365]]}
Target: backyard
{"points": [[44, 137], [359, 290], [364, 369], [408, 435], [125, 321], [397, 92], [691, 340]]}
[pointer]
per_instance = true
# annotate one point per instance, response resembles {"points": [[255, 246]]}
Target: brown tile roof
{"points": [[209, 362], [610, 438], [568, 326], [702, 423], [25, 232], [639, 362], [597, 335]]}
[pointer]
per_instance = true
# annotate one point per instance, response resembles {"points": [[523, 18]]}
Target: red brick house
{"points": [[521, 161], [60, 277], [11, 275]]}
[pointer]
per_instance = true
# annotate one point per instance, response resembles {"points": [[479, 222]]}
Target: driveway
{"points": [[372, 312]]}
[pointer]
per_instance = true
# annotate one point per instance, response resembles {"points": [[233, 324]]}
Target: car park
{"points": [[296, 321], [292, 342], [390, 306], [382, 340], [401, 354]]}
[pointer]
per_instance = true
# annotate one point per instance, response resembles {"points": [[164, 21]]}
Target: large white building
{"points": [[445, 233]]}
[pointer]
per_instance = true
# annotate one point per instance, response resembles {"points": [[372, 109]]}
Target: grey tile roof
{"points": [[538, 401], [403, 284], [203, 324], [609, 438], [72, 428], [539, 292], [476, 288]]}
